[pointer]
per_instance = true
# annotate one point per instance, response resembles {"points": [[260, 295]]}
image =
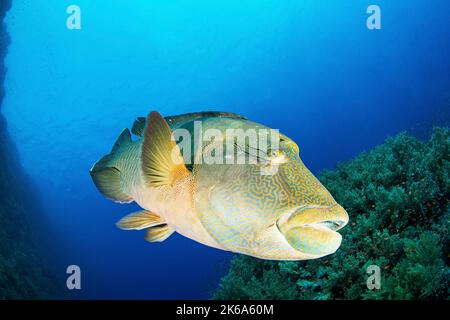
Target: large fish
{"points": [[286, 215]]}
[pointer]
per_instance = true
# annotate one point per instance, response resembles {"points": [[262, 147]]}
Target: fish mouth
{"points": [[332, 217], [312, 229]]}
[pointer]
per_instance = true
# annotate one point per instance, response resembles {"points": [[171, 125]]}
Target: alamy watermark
{"points": [[211, 146], [374, 279], [374, 20], [74, 279], [73, 22]]}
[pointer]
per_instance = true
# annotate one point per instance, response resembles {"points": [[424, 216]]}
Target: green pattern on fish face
{"points": [[304, 187], [237, 203]]}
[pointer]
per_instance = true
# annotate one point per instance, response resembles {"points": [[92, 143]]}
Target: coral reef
{"points": [[23, 274], [397, 196]]}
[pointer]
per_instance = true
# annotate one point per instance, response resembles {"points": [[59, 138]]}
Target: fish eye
{"points": [[273, 153], [276, 156]]}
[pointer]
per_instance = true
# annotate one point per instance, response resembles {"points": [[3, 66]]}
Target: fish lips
{"points": [[312, 229]]}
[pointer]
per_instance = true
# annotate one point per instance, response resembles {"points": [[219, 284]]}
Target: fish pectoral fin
{"points": [[161, 160], [158, 233], [140, 220]]}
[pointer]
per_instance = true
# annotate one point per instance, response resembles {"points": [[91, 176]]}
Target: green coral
{"points": [[397, 196]]}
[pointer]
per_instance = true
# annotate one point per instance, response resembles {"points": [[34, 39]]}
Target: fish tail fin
{"points": [[107, 176]]}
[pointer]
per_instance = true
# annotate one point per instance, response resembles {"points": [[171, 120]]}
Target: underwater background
{"points": [[310, 68]]}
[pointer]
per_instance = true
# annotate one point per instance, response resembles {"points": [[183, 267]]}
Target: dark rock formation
{"points": [[23, 274], [4, 41]]}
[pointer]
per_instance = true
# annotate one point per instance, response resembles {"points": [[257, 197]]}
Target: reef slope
{"points": [[397, 196]]}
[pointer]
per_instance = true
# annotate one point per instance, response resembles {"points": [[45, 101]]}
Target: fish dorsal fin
{"points": [[140, 220], [138, 126], [201, 115], [123, 139], [161, 159], [139, 123], [158, 233]]}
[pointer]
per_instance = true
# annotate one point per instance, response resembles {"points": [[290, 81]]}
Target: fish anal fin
{"points": [[161, 159], [158, 233], [140, 220]]}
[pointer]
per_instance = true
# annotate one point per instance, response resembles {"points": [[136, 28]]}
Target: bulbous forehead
{"points": [[304, 187]]}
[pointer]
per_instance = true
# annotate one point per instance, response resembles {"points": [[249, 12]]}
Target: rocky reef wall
{"points": [[23, 272]]}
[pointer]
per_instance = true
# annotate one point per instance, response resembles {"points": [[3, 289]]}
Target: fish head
{"points": [[284, 215], [311, 223]]}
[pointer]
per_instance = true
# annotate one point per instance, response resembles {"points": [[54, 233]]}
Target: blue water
{"points": [[310, 68]]}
